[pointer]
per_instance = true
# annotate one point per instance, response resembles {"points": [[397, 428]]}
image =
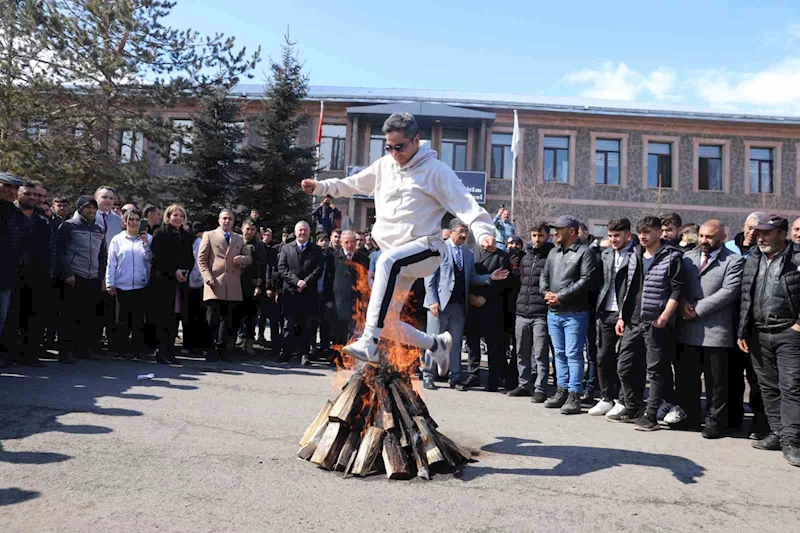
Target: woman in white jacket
{"points": [[127, 277], [413, 189]]}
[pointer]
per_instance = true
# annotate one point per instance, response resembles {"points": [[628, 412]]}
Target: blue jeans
{"points": [[568, 336]]}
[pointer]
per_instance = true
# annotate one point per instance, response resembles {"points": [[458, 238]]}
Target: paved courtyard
{"points": [[211, 447]]}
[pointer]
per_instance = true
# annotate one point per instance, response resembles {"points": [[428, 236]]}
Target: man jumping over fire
{"points": [[413, 189]]}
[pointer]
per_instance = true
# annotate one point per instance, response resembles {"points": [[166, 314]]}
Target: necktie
{"points": [[349, 257], [105, 223], [706, 258], [228, 238], [459, 259]]}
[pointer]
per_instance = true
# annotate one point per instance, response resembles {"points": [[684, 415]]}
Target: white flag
{"points": [[516, 141]]}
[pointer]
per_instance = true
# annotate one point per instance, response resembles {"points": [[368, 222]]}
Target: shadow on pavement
{"points": [[33, 399], [15, 495], [578, 460]]}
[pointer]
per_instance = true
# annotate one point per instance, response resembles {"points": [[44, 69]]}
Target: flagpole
{"points": [[319, 131], [515, 145]]}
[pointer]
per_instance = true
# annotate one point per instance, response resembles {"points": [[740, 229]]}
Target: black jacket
{"points": [[272, 279], [170, 251], [39, 257], [572, 275], [530, 301], [15, 229], [345, 276], [513, 285], [789, 278], [620, 279], [253, 274], [294, 266], [663, 282], [486, 262]]}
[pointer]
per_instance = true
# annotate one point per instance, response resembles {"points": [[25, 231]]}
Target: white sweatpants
{"points": [[395, 272]]}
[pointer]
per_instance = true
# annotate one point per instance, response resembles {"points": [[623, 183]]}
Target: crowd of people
{"points": [[658, 302]]}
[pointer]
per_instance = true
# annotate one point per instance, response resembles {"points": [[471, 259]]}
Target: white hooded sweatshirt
{"points": [[411, 200]]}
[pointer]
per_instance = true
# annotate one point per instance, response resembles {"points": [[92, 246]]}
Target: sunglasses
{"points": [[396, 148]]}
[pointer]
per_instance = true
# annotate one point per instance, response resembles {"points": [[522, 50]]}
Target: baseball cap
{"points": [[566, 221], [7, 178], [773, 222]]}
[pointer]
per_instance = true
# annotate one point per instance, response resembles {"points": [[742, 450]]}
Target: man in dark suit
{"points": [[300, 267], [348, 264], [707, 332]]}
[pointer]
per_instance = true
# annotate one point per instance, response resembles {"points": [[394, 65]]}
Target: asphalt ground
{"points": [[209, 447]]}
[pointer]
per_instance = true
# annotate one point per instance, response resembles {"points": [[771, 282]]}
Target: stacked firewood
{"points": [[378, 423]]}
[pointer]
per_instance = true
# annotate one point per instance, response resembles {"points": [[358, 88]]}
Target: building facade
{"points": [[595, 160]]}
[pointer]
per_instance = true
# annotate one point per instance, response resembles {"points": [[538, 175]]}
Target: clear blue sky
{"points": [[710, 53]]}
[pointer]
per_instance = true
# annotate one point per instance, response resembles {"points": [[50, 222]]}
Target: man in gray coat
{"points": [[713, 276], [447, 300]]}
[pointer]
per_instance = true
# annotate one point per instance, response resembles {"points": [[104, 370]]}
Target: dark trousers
{"points": [[741, 370], [248, 316], [590, 377], [479, 324], [78, 332], [196, 335], [297, 331], [343, 331], [220, 316], [323, 323], [713, 363], [106, 319], [607, 355], [129, 324], [644, 351], [270, 310], [25, 322], [776, 360]]}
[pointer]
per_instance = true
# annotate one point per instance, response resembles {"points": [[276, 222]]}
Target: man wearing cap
{"points": [[14, 230], [81, 258], [769, 330], [566, 282]]}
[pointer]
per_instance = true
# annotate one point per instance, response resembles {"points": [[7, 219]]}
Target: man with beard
{"points": [[514, 249], [81, 255], [769, 330], [567, 283], [708, 307]]}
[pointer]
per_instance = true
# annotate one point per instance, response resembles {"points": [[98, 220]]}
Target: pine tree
{"points": [[213, 161], [113, 63], [277, 165]]}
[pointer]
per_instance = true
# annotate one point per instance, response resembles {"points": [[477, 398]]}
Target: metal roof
{"points": [[421, 109], [524, 102]]}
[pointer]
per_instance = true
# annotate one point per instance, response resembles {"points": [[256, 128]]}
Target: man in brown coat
{"points": [[221, 258]]}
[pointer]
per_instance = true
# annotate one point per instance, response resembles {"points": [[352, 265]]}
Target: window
{"points": [[37, 128], [454, 148], [556, 159], [376, 143], [761, 170], [606, 162], [659, 165], [710, 168], [182, 145], [331, 149], [131, 144], [600, 231], [241, 144], [501, 155]]}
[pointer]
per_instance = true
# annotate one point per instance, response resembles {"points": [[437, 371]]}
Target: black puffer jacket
{"points": [[663, 282], [790, 281], [530, 301]]}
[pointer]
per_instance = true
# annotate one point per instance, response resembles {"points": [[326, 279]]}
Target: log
{"points": [[457, 449], [322, 417], [308, 450], [343, 406], [350, 448], [416, 406], [432, 451], [368, 451], [349, 468], [401, 408], [418, 450], [386, 416], [394, 458], [329, 446]]}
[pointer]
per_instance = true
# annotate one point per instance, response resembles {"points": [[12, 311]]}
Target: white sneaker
{"points": [[441, 356], [675, 415], [618, 408], [364, 349], [603, 407]]}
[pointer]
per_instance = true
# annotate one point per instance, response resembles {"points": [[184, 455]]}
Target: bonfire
{"points": [[379, 423]]}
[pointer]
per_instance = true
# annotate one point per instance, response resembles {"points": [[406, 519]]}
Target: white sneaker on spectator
{"points": [[618, 407], [675, 415], [601, 408]]}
